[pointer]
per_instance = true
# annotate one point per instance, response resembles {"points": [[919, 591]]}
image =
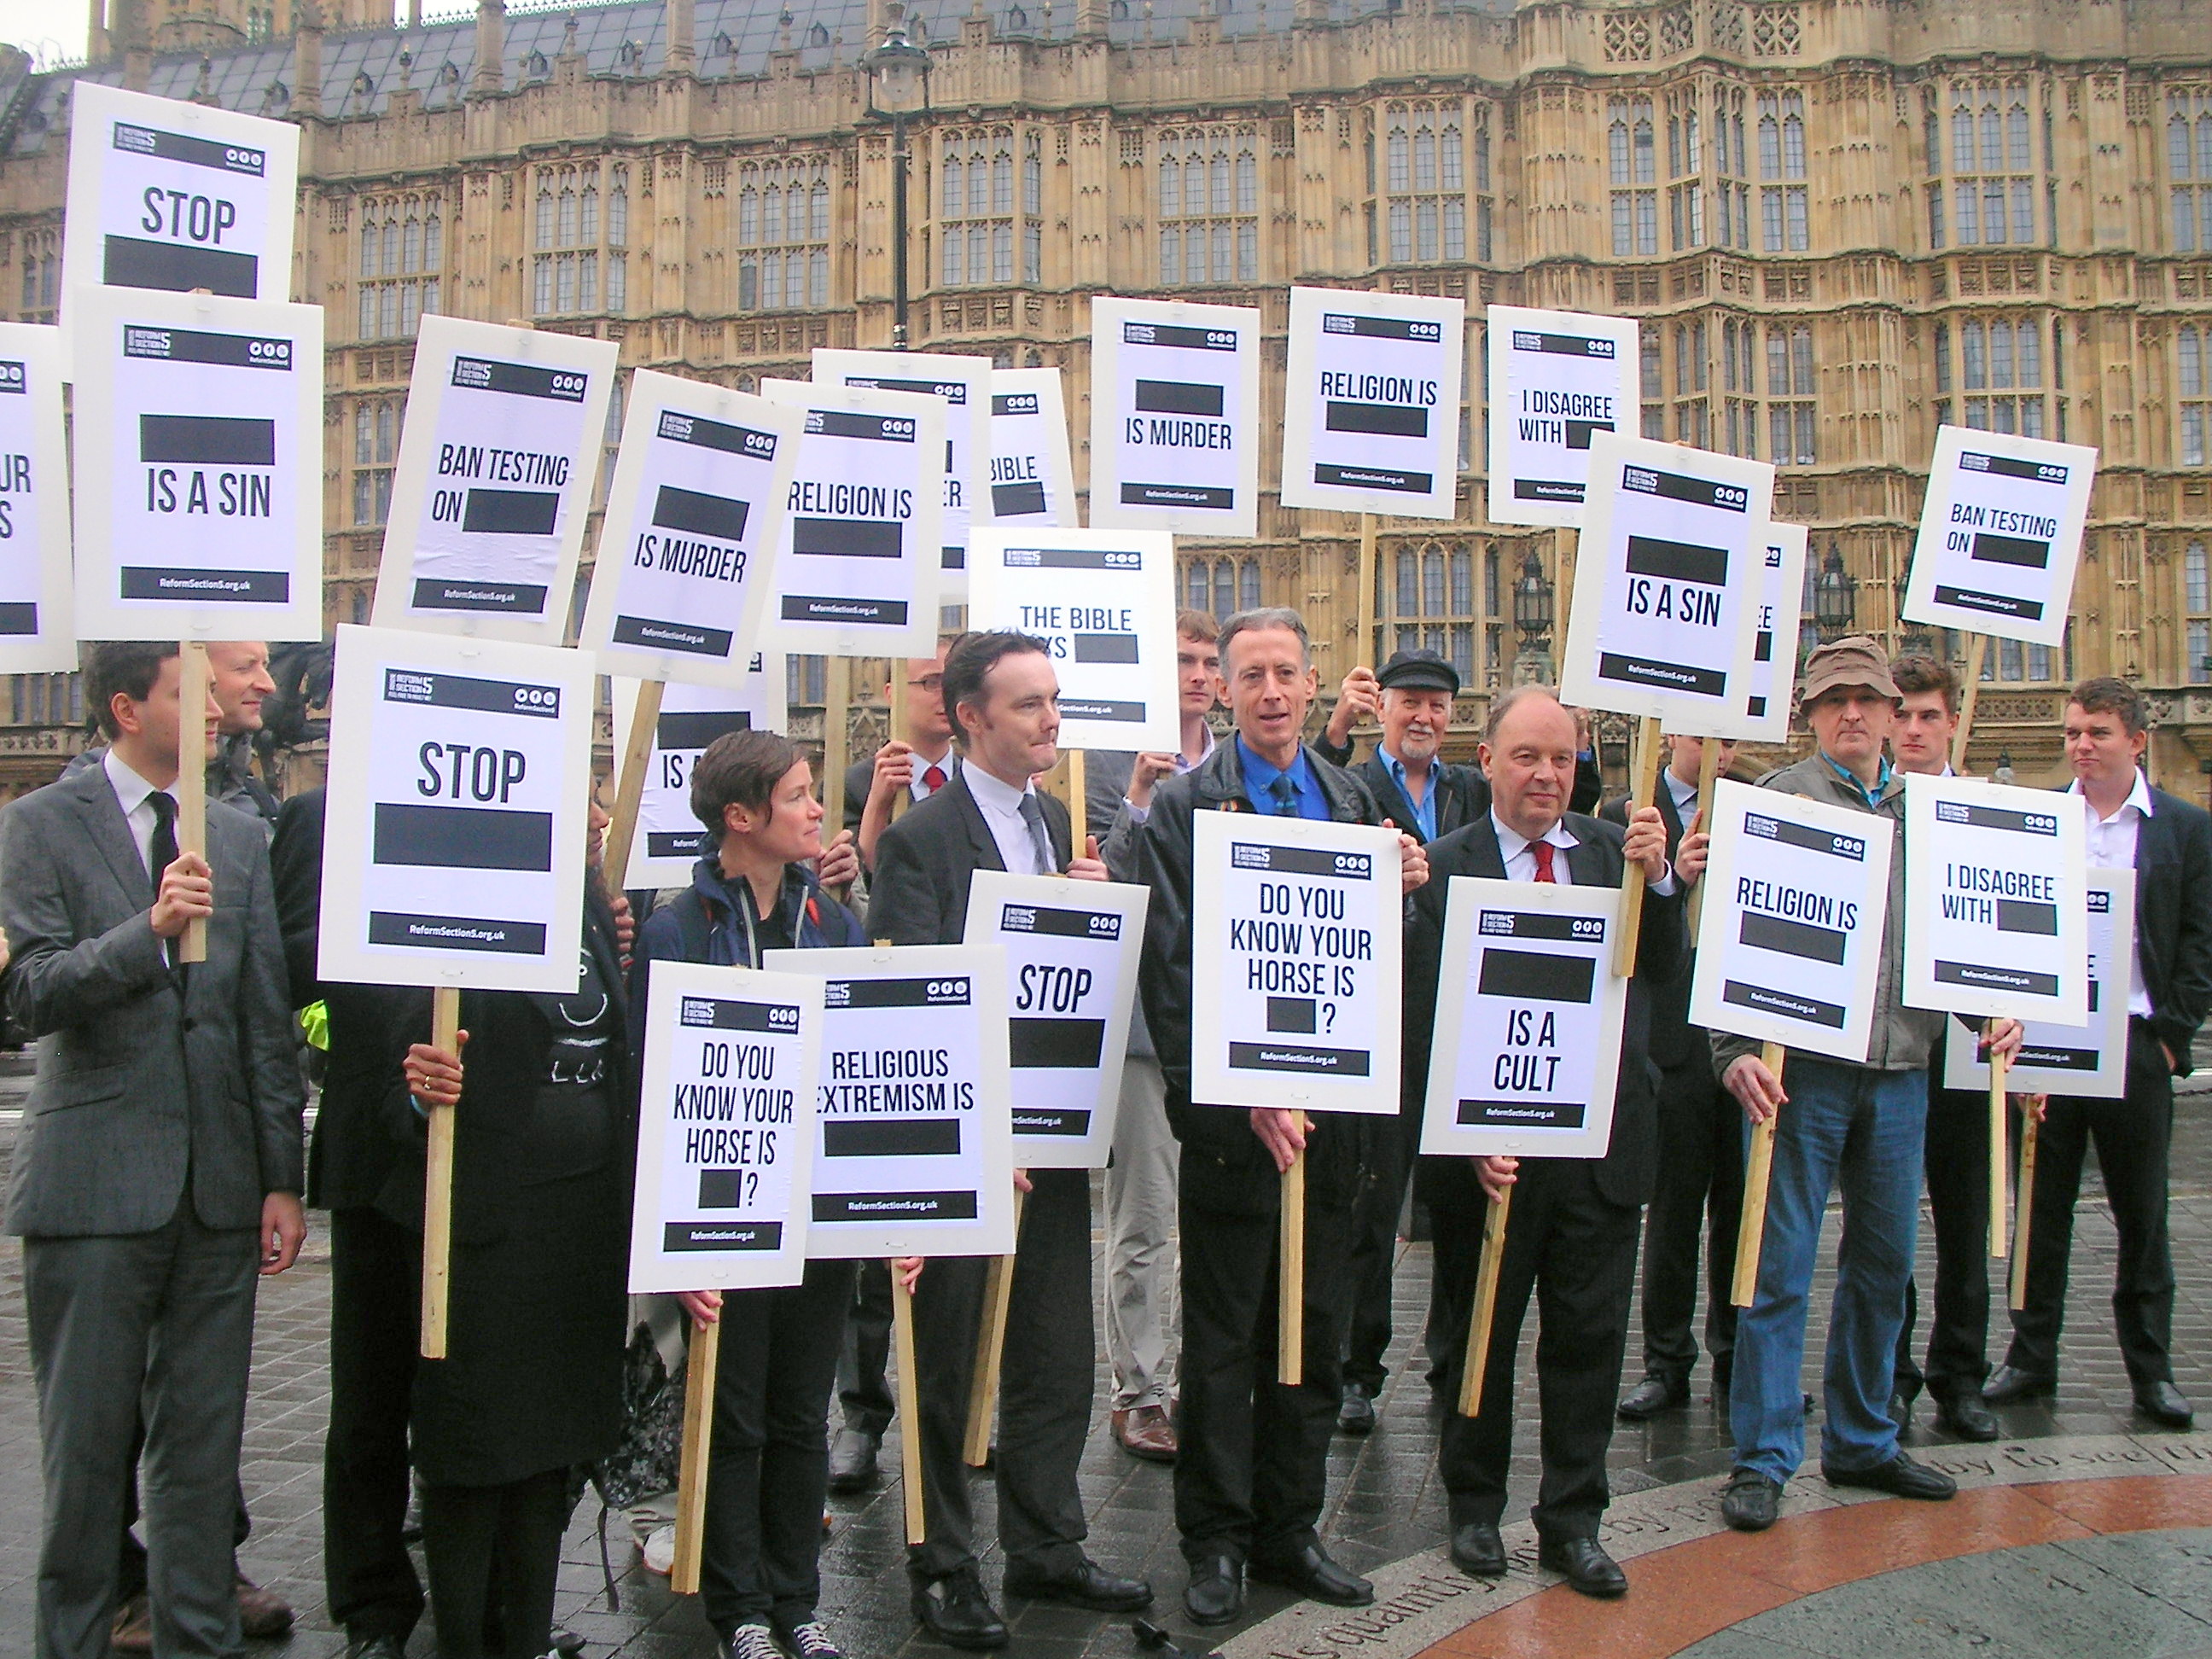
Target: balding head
{"points": [[1528, 755]]}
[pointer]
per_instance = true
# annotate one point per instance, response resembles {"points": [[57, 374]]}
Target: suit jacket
{"points": [[2173, 919], [147, 1077], [1462, 795], [1673, 1039], [927, 861], [1625, 1174]]}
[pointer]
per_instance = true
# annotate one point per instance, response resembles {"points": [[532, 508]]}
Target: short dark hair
{"points": [[1915, 674], [739, 768], [1197, 625], [2105, 695], [969, 663], [130, 666]]}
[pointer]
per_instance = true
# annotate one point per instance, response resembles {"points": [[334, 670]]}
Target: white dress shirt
{"points": [[948, 762], [1685, 797], [1515, 849], [1002, 816], [2111, 845], [136, 797]]}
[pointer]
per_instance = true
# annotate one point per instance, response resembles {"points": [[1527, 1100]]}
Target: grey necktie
{"points": [[1040, 843]]}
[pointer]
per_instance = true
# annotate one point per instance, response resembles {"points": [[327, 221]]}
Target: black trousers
{"points": [[2134, 1137], [769, 1465], [494, 1553], [1381, 1200], [375, 1292], [1699, 1192], [1958, 1159], [863, 1394], [1045, 1388], [1576, 1251]]}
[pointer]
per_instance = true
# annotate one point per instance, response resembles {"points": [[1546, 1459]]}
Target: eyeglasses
{"points": [[933, 682]]}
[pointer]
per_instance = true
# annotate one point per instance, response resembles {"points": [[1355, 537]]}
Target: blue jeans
{"points": [[1861, 1130]]}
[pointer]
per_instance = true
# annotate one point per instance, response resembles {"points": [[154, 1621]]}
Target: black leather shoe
{"points": [[1477, 1549], [375, 1647], [955, 1610], [1216, 1593], [1654, 1395], [1314, 1575], [1900, 1478], [2164, 1405], [2008, 1384], [1086, 1585], [853, 1460], [1585, 1566], [1963, 1417], [1355, 1415], [1750, 1501]]}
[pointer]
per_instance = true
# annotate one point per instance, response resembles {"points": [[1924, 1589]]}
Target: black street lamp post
{"points": [[898, 82], [1835, 596]]}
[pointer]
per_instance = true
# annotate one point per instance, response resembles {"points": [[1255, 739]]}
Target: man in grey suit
{"points": [[159, 1163]]}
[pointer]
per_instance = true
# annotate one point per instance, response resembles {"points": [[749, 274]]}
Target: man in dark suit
{"points": [[1252, 1465], [1001, 689], [2169, 844], [1572, 1236], [159, 1163]]}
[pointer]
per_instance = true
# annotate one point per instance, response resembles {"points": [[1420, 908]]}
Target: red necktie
{"points": [[934, 778], [1543, 850]]}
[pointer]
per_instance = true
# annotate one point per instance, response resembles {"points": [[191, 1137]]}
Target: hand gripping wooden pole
{"points": [[1291, 1270], [990, 1349], [629, 783], [1998, 1171], [1751, 1231], [698, 1447], [2023, 1210], [192, 777], [438, 1183], [1709, 771], [909, 1408], [1632, 880], [1484, 1312]]}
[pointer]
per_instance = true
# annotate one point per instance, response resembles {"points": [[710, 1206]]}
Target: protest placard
{"points": [[1528, 1014], [2000, 535], [1795, 894], [916, 1154], [1174, 417], [683, 576], [1771, 683], [454, 850], [668, 841], [37, 634], [1371, 419], [1104, 602], [498, 452], [2088, 1061], [726, 1129], [1071, 949], [1995, 887], [199, 467], [1297, 932], [1662, 620], [858, 556], [962, 386], [1557, 380], [1032, 484]]}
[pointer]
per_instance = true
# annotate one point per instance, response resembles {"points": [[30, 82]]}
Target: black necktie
{"points": [[161, 848], [1286, 796]]}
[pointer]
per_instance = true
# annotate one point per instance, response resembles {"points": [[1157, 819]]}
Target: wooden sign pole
{"points": [[1751, 1232], [193, 674], [1291, 1270], [1484, 1312], [990, 1348], [2023, 1207], [1362, 608], [438, 1182], [837, 740], [1998, 1171], [629, 783], [1078, 806], [909, 1408], [1976, 650], [1632, 879], [698, 1445], [1709, 771]]}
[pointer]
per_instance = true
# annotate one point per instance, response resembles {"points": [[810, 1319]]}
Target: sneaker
{"points": [[809, 1641], [751, 1642], [660, 1550]]}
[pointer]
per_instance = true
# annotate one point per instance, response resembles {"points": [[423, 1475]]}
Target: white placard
{"points": [[199, 467], [726, 1129], [1174, 417], [37, 632], [858, 560], [669, 839], [1032, 484], [962, 386], [1297, 934], [1071, 949], [1371, 419], [1557, 380], [1527, 1050], [454, 853], [2088, 1062], [1664, 620], [1104, 602], [164, 194], [1770, 684], [1996, 919], [915, 1155], [1791, 940], [683, 576], [2000, 535], [498, 452]]}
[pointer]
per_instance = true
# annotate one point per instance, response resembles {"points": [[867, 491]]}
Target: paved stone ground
{"points": [[1385, 1502]]}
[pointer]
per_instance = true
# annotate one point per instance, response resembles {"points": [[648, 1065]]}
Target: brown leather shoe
{"points": [[133, 1629], [262, 1614], [1146, 1432]]}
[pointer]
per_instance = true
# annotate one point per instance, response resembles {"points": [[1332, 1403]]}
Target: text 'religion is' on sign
{"points": [[1104, 603], [1032, 483], [497, 457], [1174, 417], [683, 576], [1296, 935], [1528, 1034], [670, 839], [1771, 683], [962, 386], [37, 635], [1664, 620], [1797, 892], [2089, 1060], [858, 562], [1071, 949], [726, 1129], [916, 1155], [1558, 378], [1995, 896], [453, 853], [1371, 421], [2000, 535], [199, 467]]}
